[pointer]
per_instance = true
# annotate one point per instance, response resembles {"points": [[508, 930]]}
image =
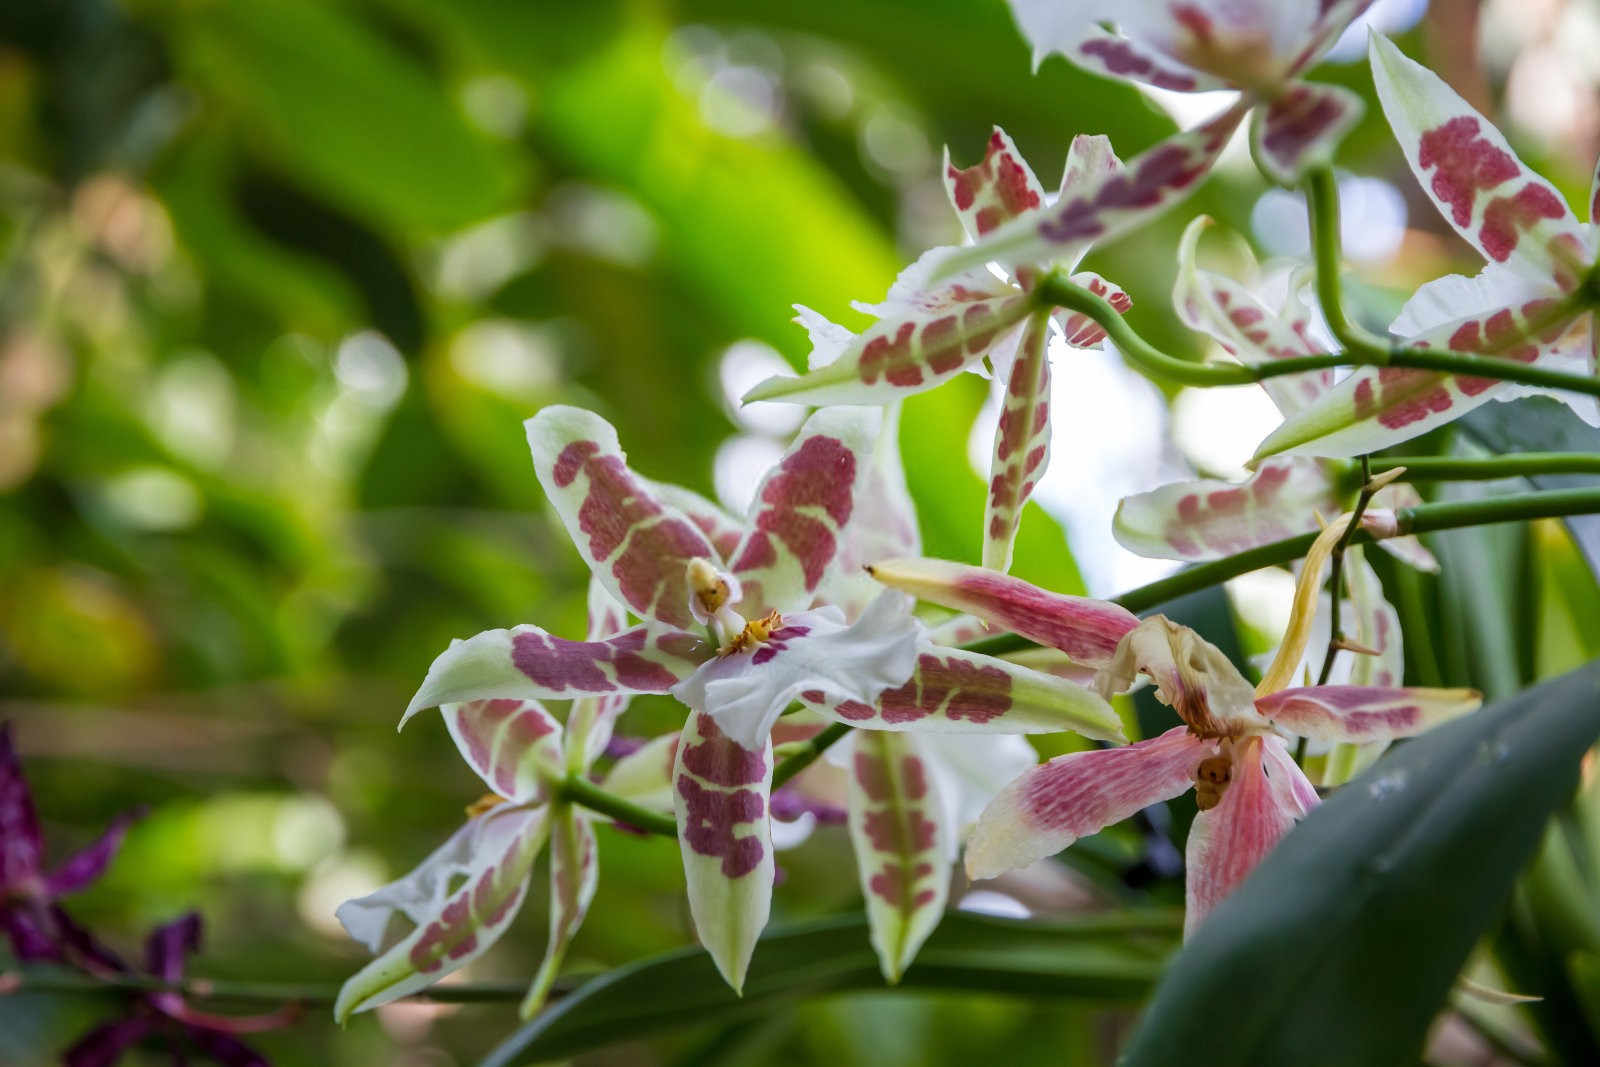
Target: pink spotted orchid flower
{"points": [[1533, 302], [464, 896], [928, 331], [739, 620], [1259, 47], [31, 916], [1230, 746]]}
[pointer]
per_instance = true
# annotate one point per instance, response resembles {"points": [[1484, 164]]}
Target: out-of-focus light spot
{"points": [[476, 262], [333, 881], [191, 408], [691, 54], [371, 369], [742, 366], [989, 902], [1387, 17], [408, 1022], [827, 88], [603, 223], [741, 101], [152, 498], [1219, 428], [740, 464], [1108, 427], [1372, 220], [496, 103], [132, 227], [33, 372], [1548, 94], [509, 357], [19, 450], [892, 141], [305, 830]]}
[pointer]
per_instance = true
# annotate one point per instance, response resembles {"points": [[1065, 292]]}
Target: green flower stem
{"points": [[1425, 518], [802, 758], [54, 980], [1488, 468], [579, 790]]}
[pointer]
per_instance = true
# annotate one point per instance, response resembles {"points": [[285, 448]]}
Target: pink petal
{"points": [[1021, 443], [1301, 128], [87, 865], [1078, 329], [1078, 794], [801, 510], [21, 847], [994, 190], [953, 691], [634, 543], [1115, 56], [1363, 713], [1208, 519], [513, 745], [1227, 842], [1085, 629]]}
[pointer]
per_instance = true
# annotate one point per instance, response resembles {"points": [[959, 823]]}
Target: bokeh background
{"points": [[280, 282]]}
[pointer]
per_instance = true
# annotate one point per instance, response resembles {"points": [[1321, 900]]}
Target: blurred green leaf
{"points": [[1110, 957], [1342, 944]]}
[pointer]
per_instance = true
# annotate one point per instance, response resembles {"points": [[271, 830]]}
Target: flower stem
{"points": [[1488, 468], [51, 980], [802, 758], [579, 790], [1336, 576]]}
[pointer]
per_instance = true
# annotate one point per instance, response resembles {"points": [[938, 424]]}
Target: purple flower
{"points": [[167, 1020], [38, 927]]}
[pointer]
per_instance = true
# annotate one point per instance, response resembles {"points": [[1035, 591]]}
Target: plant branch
{"points": [[579, 790], [1488, 468], [802, 757], [52, 980]]}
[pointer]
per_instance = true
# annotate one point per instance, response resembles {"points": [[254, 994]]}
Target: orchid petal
{"points": [[1021, 443], [88, 864], [1301, 128], [1078, 794], [635, 544], [513, 745], [1228, 841], [1244, 326], [104, 1045], [1375, 624], [994, 190], [923, 337], [591, 720], [721, 529], [720, 798], [1090, 157], [1192, 676], [1112, 55], [961, 630], [1333, 18], [454, 924], [526, 663], [883, 523], [901, 837], [1376, 407], [802, 508], [574, 874], [644, 777], [1087, 630], [21, 846], [1078, 329], [746, 690], [1147, 185], [1209, 519], [1501, 207], [1594, 195], [169, 945], [953, 691], [1363, 713], [1407, 549], [969, 771]]}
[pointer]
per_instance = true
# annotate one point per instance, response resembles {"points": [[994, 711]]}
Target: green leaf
{"points": [[1340, 948], [1112, 957]]}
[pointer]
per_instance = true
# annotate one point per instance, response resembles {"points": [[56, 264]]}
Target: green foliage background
{"points": [[230, 542]]}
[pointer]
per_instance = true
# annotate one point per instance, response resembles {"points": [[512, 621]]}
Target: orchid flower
{"points": [[1287, 495], [1230, 746], [929, 331], [1259, 47], [167, 1020], [738, 633], [38, 927], [1531, 303], [522, 754]]}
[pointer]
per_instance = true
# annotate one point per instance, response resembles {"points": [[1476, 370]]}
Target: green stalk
{"points": [[1488, 468]]}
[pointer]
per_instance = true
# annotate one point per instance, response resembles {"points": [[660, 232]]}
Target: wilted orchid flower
{"points": [[1533, 302], [522, 754], [168, 1019], [734, 629], [1230, 747], [929, 331], [37, 926], [1287, 495], [1259, 47]]}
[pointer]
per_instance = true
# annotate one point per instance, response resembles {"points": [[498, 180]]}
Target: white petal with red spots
{"points": [[513, 745]]}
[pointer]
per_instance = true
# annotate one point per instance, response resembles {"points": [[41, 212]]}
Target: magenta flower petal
{"points": [[89, 864]]}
